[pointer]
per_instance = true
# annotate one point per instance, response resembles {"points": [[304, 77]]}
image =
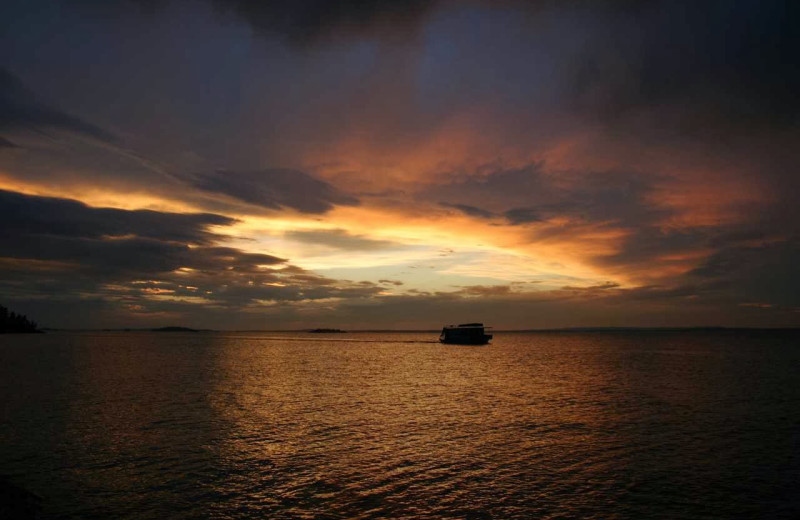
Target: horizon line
{"points": [[549, 329]]}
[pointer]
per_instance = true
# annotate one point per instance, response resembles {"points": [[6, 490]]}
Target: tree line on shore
{"points": [[13, 322]]}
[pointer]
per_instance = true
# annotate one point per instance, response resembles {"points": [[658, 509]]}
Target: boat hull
{"points": [[483, 341], [457, 336]]}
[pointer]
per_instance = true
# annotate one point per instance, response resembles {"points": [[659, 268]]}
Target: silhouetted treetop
{"points": [[13, 322]]}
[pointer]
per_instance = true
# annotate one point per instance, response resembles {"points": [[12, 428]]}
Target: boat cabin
{"points": [[465, 334]]}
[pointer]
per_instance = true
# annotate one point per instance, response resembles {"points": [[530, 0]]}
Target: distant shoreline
{"points": [[504, 331]]}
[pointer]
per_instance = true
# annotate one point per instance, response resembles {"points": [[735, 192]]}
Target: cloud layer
{"points": [[64, 250]]}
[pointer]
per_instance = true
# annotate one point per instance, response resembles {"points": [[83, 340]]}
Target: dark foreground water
{"points": [[549, 425]]}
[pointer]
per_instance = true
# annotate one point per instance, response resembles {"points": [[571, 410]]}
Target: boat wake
{"points": [[336, 340]]}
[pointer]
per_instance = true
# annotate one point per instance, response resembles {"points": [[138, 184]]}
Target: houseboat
{"points": [[465, 334]]}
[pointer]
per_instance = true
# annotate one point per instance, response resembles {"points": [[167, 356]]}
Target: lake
{"points": [[139, 425]]}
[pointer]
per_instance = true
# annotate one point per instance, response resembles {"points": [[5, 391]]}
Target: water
{"points": [[548, 425]]}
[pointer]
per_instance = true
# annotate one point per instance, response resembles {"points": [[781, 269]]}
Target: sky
{"points": [[235, 164]]}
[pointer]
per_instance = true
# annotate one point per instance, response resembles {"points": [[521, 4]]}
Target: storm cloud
{"points": [[66, 249], [274, 189], [313, 21], [700, 65], [21, 111], [50, 216]]}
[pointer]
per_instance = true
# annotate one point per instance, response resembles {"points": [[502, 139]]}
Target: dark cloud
{"points": [[729, 62], [307, 23], [311, 21], [523, 215], [599, 287], [339, 239], [211, 259], [767, 272], [520, 291], [63, 249], [274, 189], [564, 205], [529, 194], [741, 268], [21, 111], [513, 216], [112, 242], [102, 240], [301, 22], [102, 257], [482, 291], [471, 211], [46, 216], [496, 190], [701, 65], [648, 243]]}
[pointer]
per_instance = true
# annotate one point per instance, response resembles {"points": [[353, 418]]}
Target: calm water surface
{"points": [[548, 425]]}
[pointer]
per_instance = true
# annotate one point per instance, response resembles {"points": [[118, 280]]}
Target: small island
{"points": [[174, 329], [327, 331], [11, 322]]}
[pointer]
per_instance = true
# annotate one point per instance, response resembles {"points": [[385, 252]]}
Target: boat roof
{"points": [[467, 326]]}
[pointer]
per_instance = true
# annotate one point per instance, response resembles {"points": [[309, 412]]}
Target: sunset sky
{"points": [[234, 164]]}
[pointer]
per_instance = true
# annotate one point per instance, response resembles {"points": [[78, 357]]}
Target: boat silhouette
{"points": [[465, 334]]}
